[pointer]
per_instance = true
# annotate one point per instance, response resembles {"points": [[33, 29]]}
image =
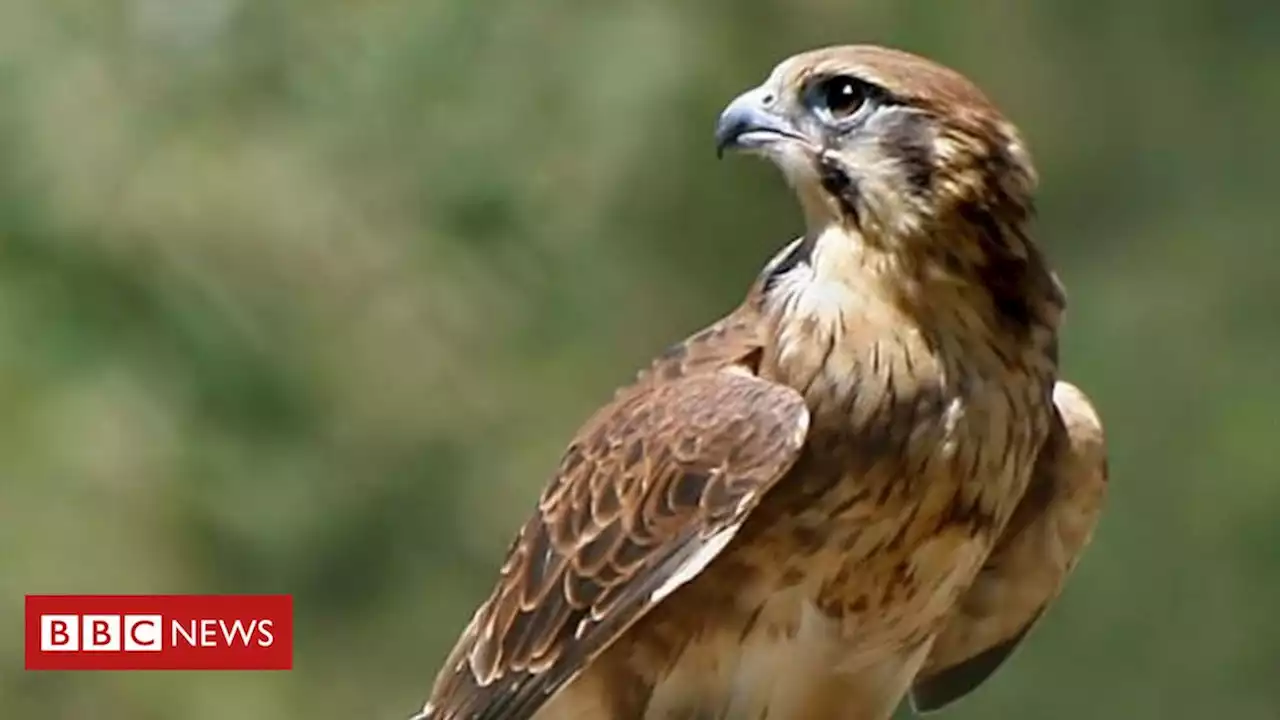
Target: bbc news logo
{"points": [[159, 632]]}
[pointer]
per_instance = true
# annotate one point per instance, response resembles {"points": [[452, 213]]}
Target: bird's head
{"points": [[901, 153], [881, 139]]}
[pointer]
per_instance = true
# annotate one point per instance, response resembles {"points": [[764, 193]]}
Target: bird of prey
{"points": [[865, 483]]}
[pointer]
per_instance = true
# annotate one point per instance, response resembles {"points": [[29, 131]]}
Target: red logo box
{"points": [[159, 632]]}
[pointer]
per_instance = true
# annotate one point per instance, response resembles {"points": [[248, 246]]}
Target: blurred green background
{"points": [[307, 296]]}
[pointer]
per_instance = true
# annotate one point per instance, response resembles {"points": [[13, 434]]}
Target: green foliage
{"points": [[307, 295]]}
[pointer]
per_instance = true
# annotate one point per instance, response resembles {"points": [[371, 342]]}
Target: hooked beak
{"points": [[748, 123]]}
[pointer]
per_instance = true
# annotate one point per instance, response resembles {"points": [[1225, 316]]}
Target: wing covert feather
{"points": [[649, 491], [727, 341]]}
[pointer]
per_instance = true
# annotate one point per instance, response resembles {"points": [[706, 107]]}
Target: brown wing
{"points": [[1044, 539], [733, 339], [648, 493], [728, 340]]}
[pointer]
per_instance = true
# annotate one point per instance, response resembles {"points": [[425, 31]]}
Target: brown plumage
{"points": [[865, 482]]}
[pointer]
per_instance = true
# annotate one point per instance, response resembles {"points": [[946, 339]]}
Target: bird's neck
{"points": [[845, 312]]}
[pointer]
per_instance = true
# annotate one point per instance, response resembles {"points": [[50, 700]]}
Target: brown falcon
{"points": [[866, 482]]}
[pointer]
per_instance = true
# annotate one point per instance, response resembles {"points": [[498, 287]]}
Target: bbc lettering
{"points": [[159, 632], [143, 633], [101, 633]]}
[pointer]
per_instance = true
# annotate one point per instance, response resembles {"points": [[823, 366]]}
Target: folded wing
{"points": [[648, 493], [1031, 561]]}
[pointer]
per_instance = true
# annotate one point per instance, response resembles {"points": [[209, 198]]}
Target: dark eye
{"points": [[840, 96]]}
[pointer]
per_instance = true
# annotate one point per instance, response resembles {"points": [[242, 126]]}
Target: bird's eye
{"points": [[840, 97]]}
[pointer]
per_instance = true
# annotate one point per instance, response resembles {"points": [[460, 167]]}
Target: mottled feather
{"points": [[1027, 569], [649, 490]]}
